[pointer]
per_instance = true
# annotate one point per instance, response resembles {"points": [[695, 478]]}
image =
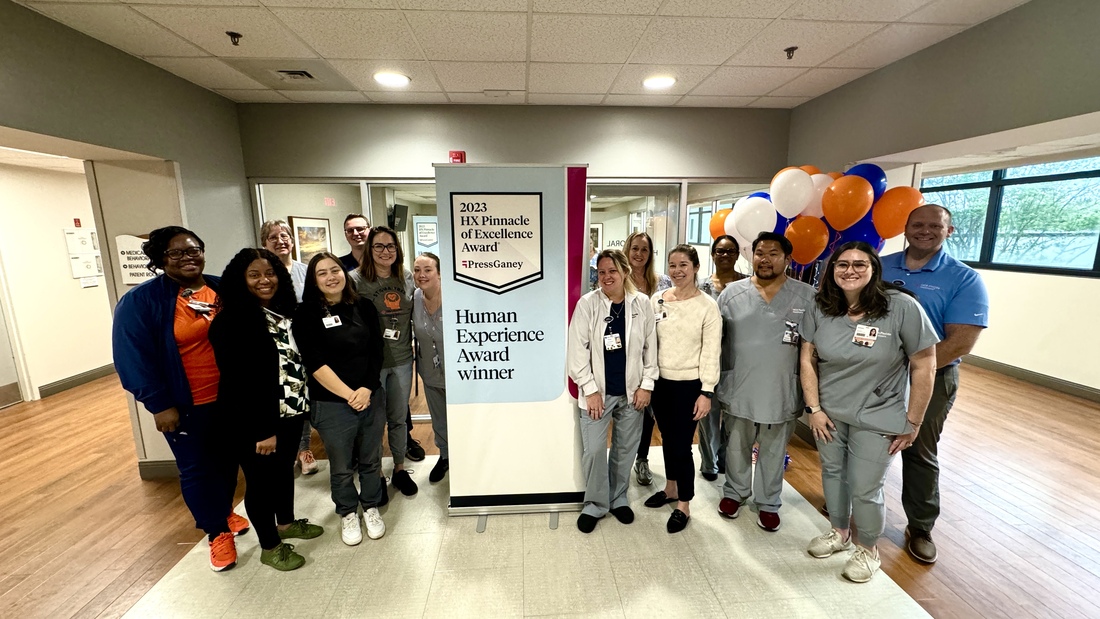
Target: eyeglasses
{"points": [[378, 247], [357, 230], [858, 267], [282, 236], [190, 252], [725, 252]]}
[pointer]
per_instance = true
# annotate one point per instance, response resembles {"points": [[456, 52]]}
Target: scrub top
{"points": [[760, 350], [429, 338], [868, 386]]}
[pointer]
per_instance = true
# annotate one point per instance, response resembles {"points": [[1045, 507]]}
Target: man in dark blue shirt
{"points": [[356, 229]]}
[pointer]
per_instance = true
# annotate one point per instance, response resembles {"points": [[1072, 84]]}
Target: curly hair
{"points": [[366, 268], [873, 299], [312, 293], [234, 293], [618, 258], [158, 242]]}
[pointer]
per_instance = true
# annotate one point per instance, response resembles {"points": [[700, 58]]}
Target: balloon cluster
{"points": [[818, 211]]}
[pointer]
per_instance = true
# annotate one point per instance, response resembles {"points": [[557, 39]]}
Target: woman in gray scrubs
{"points": [[868, 363], [427, 321]]}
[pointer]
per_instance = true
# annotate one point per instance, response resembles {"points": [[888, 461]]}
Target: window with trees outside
{"points": [[1041, 218]]}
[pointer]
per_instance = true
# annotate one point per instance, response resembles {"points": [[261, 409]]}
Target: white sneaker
{"points": [[828, 544], [862, 565], [349, 529], [375, 527]]}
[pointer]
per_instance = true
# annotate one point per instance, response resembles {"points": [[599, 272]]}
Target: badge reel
{"points": [[662, 313], [611, 341], [790, 335], [392, 334], [865, 336]]}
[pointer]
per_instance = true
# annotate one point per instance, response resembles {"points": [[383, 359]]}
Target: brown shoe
{"points": [[920, 546]]}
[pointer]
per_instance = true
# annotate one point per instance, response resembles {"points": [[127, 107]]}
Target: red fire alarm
{"points": [[76, 222], [457, 156]]}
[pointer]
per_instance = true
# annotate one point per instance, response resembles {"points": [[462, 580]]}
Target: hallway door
{"points": [[9, 380]]}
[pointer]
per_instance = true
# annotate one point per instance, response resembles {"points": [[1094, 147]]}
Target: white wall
{"points": [[64, 329], [8, 374]]}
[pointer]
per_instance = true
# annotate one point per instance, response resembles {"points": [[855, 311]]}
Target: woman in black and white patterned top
{"points": [[263, 392]]}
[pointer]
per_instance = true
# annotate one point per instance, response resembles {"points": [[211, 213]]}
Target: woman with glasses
{"points": [[262, 395], [643, 274], [275, 236], [164, 358], [689, 340], [382, 280], [712, 436], [868, 363]]}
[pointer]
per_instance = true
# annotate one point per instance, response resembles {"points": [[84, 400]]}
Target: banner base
{"points": [[515, 503]]}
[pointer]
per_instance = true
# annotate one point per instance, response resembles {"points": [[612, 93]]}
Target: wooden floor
{"points": [[84, 536]]}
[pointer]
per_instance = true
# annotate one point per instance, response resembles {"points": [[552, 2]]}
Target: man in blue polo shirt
{"points": [[956, 302]]}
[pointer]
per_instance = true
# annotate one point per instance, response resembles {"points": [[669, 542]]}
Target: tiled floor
{"points": [[430, 565]]}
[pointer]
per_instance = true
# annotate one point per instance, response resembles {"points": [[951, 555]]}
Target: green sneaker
{"points": [[301, 529], [282, 558]]}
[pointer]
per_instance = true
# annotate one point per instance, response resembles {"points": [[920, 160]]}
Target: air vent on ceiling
{"points": [[295, 75]]}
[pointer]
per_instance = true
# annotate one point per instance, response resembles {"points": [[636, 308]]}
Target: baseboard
{"points": [[158, 469], [54, 388], [1035, 378]]}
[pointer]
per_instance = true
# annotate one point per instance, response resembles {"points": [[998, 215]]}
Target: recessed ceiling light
{"points": [[658, 83], [393, 80]]}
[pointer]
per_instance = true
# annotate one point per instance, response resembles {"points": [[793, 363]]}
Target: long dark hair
{"points": [[366, 267], [234, 293], [313, 295], [873, 299], [157, 245]]}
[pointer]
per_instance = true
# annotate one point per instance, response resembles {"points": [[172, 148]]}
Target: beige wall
{"points": [[308, 200]]}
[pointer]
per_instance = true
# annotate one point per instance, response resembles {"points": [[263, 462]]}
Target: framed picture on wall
{"points": [[311, 237], [595, 232]]}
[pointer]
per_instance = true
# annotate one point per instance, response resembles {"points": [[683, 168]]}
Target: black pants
{"points": [[647, 433], [920, 464], [269, 481], [674, 407]]}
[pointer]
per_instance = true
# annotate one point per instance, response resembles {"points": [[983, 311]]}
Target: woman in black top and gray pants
{"points": [[341, 345]]}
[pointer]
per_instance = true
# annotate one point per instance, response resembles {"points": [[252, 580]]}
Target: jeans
{"points": [[353, 440], [207, 465], [436, 398], [397, 382]]}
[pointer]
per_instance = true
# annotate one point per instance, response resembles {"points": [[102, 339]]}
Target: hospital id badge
{"points": [[659, 316], [612, 341], [790, 335], [331, 321], [391, 334], [435, 361], [865, 336]]}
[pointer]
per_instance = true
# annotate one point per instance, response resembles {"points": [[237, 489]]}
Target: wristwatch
{"points": [[709, 394], [809, 410]]}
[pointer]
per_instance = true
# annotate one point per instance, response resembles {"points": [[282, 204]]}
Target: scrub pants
{"points": [[353, 440], [397, 382], [920, 467], [673, 404], [767, 487], [436, 398], [853, 473], [207, 464], [269, 481], [714, 436], [606, 484]]}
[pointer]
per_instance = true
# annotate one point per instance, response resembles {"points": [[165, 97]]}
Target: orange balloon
{"points": [[810, 169], [892, 210], [846, 201], [718, 223], [809, 236], [782, 171], [835, 175]]}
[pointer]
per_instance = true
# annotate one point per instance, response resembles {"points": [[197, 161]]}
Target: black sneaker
{"points": [[404, 482], [439, 471], [710, 476], [587, 523], [413, 450]]}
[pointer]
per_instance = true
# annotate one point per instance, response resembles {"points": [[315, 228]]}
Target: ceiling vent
{"points": [[294, 75]]}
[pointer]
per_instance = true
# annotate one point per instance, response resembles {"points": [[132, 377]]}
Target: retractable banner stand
{"points": [[511, 242]]}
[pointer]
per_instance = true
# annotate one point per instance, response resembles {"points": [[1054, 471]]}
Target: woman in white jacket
{"points": [[612, 356]]}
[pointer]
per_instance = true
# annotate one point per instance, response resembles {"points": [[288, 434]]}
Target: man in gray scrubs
{"points": [[759, 387]]}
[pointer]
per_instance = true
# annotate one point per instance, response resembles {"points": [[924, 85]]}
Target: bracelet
{"points": [[915, 424]]}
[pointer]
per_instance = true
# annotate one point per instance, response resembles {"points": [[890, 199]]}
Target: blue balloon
{"points": [[872, 174], [781, 224], [863, 230], [761, 194]]}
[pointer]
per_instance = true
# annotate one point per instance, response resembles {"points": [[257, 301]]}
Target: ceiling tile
{"points": [[891, 44], [694, 40], [470, 36], [27, 3], [515, 98], [687, 77], [653, 100], [817, 82], [855, 10], [464, 5], [479, 76], [964, 13], [328, 4], [391, 96], [121, 27], [602, 7], [550, 99], [207, 72], [264, 36], [584, 38], [746, 81], [769, 9], [816, 41], [697, 101], [253, 96], [779, 102], [323, 96], [572, 78], [361, 73], [353, 34]]}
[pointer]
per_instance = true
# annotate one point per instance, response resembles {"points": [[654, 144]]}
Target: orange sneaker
{"points": [[238, 525], [223, 552]]}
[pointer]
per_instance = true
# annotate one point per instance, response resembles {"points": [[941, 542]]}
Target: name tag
{"points": [[865, 336], [331, 321], [435, 361], [612, 342], [790, 335], [659, 316], [391, 334]]}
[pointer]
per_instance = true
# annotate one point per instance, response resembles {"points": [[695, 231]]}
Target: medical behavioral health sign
{"points": [[511, 276]]}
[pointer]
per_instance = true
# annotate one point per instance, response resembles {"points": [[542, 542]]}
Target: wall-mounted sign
{"points": [[131, 260]]}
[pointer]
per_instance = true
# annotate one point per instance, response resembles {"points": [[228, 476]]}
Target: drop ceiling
{"points": [[723, 53]]}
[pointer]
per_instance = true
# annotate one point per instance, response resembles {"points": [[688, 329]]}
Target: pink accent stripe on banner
{"points": [[576, 253]]}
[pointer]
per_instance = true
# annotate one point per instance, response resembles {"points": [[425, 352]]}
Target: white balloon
{"points": [[821, 183], [791, 191], [731, 224], [755, 216]]}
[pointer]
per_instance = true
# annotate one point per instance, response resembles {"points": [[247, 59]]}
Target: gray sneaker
{"points": [[641, 470], [862, 565], [828, 544]]}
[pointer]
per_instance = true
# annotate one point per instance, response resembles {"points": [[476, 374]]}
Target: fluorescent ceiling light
{"points": [[393, 80], [658, 82]]}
